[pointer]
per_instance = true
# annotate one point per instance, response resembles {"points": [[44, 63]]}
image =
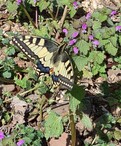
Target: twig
{"points": [[61, 22], [57, 12], [51, 14]]}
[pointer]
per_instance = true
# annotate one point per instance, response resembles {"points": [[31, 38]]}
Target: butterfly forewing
{"points": [[48, 55]]}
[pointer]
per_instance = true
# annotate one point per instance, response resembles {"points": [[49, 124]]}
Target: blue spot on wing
{"points": [[42, 68], [55, 78]]}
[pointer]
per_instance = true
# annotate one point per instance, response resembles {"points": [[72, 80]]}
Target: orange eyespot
{"points": [[51, 71]]}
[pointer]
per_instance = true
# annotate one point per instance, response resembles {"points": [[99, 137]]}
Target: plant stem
{"points": [[61, 22], [73, 130], [36, 17], [21, 94], [27, 14]]}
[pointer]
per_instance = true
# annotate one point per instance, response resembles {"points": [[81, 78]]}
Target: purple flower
{"points": [[35, 1], [20, 142], [113, 13], [118, 28], [91, 37], [88, 15], [71, 42], [84, 27], [75, 34], [75, 49], [95, 43], [19, 2], [65, 31], [1, 135], [75, 4]]}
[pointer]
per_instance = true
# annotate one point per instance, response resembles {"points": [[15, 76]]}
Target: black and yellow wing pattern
{"points": [[49, 58]]}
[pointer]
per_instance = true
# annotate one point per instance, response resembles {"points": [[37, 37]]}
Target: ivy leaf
{"points": [[24, 83], [10, 51], [7, 74], [32, 73], [53, 125]]}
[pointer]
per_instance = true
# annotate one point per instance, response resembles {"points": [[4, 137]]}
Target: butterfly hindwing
{"points": [[47, 55]]}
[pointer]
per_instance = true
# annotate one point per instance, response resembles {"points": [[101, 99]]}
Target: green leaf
{"points": [[80, 62], [43, 5], [107, 32], [72, 11], [32, 73], [73, 104], [95, 69], [24, 83], [120, 40], [97, 56], [83, 46], [98, 69], [96, 25], [42, 88], [10, 51], [86, 121], [12, 6], [31, 135], [43, 32], [76, 95], [99, 16], [8, 141], [113, 40], [63, 2], [27, 139], [53, 125], [97, 33], [87, 74], [7, 74], [117, 135], [5, 41], [103, 42], [111, 49]]}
